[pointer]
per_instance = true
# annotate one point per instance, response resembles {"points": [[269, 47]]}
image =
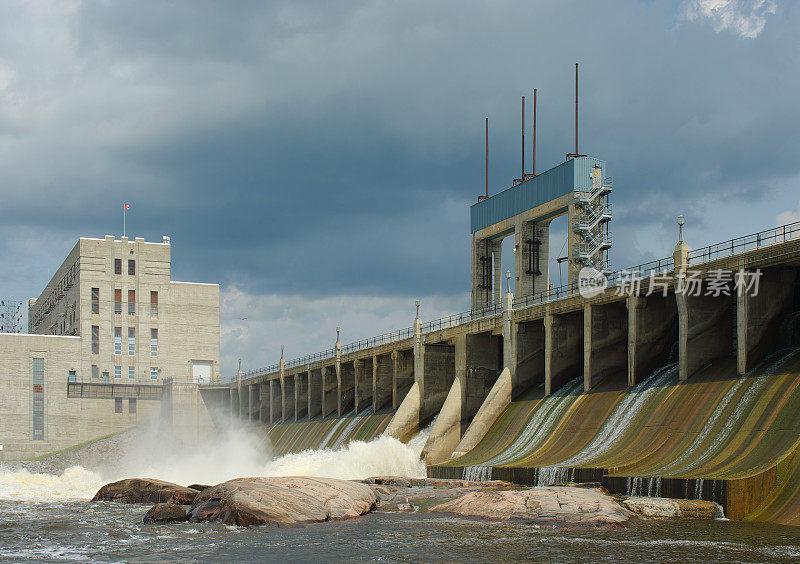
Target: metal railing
{"points": [[461, 318], [745, 243], [644, 270]]}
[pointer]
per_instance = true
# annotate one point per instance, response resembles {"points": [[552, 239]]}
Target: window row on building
{"points": [[105, 376], [131, 266], [45, 305], [118, 302], [131, 341], [131, 405]]}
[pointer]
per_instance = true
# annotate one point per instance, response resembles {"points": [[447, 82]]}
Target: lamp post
{"points": [[680, 229], [508, 281], [416, 303]]}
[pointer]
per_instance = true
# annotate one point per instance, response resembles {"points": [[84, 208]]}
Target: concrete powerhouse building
{"points": [[112, 342]]}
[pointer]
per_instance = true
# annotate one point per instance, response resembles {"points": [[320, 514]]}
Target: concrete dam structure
{"points": [[633, 378]]}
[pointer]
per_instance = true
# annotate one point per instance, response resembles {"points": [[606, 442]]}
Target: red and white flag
{"points": [[126, 206]]}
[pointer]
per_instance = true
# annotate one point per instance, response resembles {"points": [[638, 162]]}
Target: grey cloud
{"points": [[324, 149]]}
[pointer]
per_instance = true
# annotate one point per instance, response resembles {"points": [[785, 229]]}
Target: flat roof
{"points": [[551, 184]]}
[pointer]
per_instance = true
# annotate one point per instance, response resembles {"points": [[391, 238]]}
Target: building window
{"points": [[153, 342], [117, 405], [117, 301], [131, 341], [153, 304], [131, 267], [95, 339], [38, 399], [131, 302], [117, 340], [117, 372], [95, 300], [131, 373], [131, 405], [154, 373], [73, 376], [105, 377], [95, 372], [117, 266]]}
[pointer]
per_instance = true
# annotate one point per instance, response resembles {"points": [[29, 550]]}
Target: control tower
{"points": [[579, 188]]}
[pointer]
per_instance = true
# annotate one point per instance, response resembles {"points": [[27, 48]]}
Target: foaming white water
{"points": [[381, 456], [75, 483], [236, 453]]}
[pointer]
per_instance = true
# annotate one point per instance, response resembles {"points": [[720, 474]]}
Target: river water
{"points": [[48, 517], [80, 531]]}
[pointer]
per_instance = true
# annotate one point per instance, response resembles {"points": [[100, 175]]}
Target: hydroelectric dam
{"points": [[675, 378]]}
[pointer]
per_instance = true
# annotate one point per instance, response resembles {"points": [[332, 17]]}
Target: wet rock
{"points": [[255, 501], [198, 487], [165, 513], [145, 490], [408, 494], [667, 508], [399, 482], [559, 505]]}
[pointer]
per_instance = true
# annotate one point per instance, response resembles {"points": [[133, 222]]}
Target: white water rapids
{"points": [[236, 453]]}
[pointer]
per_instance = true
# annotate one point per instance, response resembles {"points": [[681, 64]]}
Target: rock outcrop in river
{"points": [[562, 505], [145, 490], [256, 501], [663, 508], [165, 513]]}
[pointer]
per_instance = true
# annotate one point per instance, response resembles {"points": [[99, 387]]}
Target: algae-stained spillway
{"points": [[718, 436]]}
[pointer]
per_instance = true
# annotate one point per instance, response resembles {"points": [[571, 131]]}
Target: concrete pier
{"points": [[652, 332], [605, 342], [363, 378], [402, 375], [382, 381], [563, 349], [300, 395], [755, 315], [478, 360], [275, 406], [263, 394], [530, 356], [437, 369], [287, 398], [330, 390], [314, 393], [346, 389], [705, 331]]}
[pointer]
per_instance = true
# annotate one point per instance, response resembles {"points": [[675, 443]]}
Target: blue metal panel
{"points": [[549, 185]]}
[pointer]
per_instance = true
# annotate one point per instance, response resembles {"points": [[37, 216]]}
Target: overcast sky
{"points": [[318, 159]]}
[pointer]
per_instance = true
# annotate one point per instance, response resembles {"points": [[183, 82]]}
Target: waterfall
{"points": [[548, 475], [649, 487], [336, 426], [698, 489], [477, 473], [545, 417], [622, 416], [348, 431]]}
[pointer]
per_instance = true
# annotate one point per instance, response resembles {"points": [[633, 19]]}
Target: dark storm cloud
{"points": [[320, 148]]}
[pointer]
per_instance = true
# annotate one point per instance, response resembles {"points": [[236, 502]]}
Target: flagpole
{"points": [[123, 219]]}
